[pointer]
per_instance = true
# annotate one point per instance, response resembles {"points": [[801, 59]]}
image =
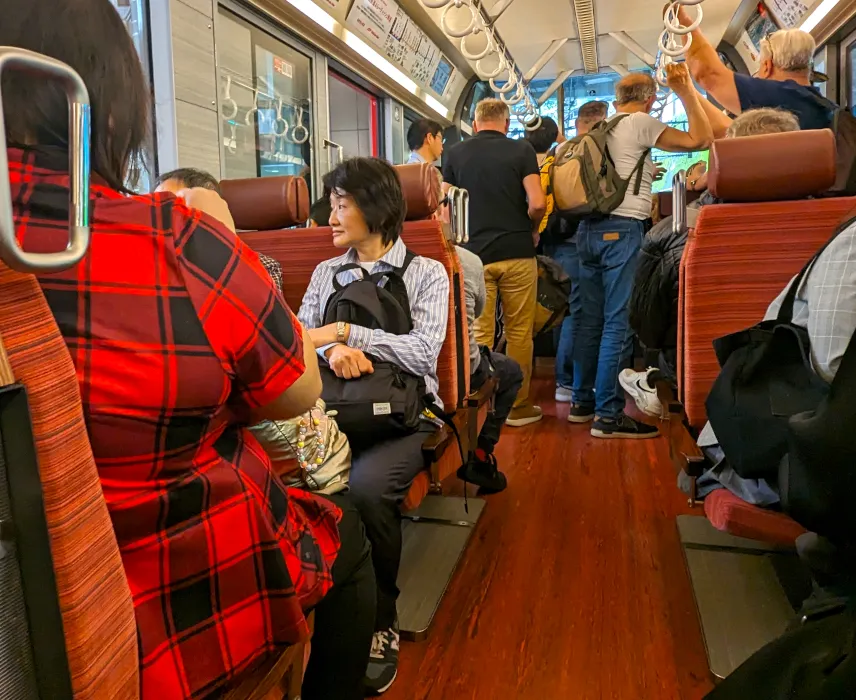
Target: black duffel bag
{"points": [[388, 402], [766, 378], [818, 480]]}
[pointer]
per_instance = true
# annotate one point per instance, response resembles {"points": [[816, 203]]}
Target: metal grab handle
{"points": [[464, 215], [679, 201], [329, 145], [45, 68]]}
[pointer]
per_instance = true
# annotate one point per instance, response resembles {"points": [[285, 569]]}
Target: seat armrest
{"points": [[435, 445], [485, 393]]}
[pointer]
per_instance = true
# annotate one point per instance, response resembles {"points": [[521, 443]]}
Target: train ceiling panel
{"points": [[623, 29]]}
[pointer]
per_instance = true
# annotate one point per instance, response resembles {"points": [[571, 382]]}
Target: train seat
{"points": [[436, 528], [738, 258], [83, 633]]}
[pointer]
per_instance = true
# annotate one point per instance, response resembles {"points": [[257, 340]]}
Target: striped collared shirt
{"points": [[416, 157], [428, 291]]}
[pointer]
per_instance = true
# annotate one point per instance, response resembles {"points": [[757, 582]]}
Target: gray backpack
{"points": [[583, 176]]}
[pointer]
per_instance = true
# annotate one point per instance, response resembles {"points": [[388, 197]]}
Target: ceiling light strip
{"points": [[587, 32], [818, 15], [321, 18]]}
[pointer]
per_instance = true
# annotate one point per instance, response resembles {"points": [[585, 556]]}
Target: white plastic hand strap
{"points": [[458, 33], [501, 65], [488, 47], [672, 43]]}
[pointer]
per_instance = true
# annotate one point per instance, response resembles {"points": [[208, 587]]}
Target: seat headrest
{"points": [[770, 167], [420, 185], [267, 203]]}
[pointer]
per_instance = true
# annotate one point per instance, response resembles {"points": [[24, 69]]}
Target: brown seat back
{"points": [[740, 256], [94, 597], [267, 203]]}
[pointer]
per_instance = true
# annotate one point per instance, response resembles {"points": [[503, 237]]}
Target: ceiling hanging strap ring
{"points": [[436, 4], [535, 125], [670, 47], [298, 127], [510, 84], [458, 33], [677, 27], [280, 121], [480, 54], [500, 67], [517, 97], [228, 107]]}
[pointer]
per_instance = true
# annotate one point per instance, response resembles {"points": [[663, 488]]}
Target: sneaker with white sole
{"points": [[563, 394], [524, 415], [643, 393], [383, 661]]}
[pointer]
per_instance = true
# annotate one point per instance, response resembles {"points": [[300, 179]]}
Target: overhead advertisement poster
{"points": [[386, 26], [789, 13], [337, 9]]}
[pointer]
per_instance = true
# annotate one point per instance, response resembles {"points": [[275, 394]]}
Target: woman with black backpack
{"points": [[378, 316]]}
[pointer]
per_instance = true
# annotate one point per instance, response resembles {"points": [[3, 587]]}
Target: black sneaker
{"points": [[383, 661], [580, 414], [624, 428], [482, 471]]}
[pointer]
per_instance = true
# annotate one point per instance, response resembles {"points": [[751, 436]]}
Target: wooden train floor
{"points": [[573, 586]]}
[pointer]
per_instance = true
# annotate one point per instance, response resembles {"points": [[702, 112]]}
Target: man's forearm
{"points": [[698, 126]]}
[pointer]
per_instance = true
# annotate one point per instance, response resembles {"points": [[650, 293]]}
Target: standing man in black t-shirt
{"points": [[783, 80], [506, 206]]}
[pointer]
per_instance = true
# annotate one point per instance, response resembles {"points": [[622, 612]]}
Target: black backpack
{"points": [[766, 378], [387, 403], [818, 480], [843, 125]]}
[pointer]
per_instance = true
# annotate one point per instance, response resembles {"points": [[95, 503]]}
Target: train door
{"points": [[270, 102], [354, 117]]}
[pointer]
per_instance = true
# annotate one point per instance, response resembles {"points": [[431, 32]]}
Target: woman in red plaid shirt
{"points": [[179, 338]]}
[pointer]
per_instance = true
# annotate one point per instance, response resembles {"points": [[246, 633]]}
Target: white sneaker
{"points": [[636, 384], [563, 394]]}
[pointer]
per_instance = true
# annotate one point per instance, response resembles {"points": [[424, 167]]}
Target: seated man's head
{"points": [[787, 55], [765, 120], [590, 114], [185, 179], [319, 212], [426, 137], [367, 205], [636, 92], [543, 138], [492, 115]]}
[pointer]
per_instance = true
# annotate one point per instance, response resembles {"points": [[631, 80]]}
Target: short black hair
{"points": [[375, 188], [544, 136], [91, 38], [420, 130], [320, 211], [192, 177]]}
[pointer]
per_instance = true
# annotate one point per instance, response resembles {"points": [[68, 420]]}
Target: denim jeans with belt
{"points": [[565, 253], [608, 251]]}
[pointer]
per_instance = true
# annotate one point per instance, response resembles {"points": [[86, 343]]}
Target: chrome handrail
{"points": [[679, 202], [464, 203], [42, 67]]}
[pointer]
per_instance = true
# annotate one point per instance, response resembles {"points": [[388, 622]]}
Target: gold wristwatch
{"points": [[340, 331]]}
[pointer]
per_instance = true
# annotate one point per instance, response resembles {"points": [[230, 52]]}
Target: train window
{"points": [[264, 102], [134, 15]]}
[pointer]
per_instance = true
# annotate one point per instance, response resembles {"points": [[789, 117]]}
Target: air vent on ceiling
{"points": [[587, 32]]}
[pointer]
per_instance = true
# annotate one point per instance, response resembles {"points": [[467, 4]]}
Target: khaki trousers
{"points": [[515, 283]]}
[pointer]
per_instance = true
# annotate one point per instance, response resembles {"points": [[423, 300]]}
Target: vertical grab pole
{"points": [[679, 202]]}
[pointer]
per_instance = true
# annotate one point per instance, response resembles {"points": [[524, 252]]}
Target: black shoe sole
{"points": [[486, 486]]}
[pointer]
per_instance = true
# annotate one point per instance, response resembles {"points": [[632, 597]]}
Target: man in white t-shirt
{"points": [[608, 249]]}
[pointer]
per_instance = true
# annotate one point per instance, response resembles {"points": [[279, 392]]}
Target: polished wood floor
{"points": [[573, 586]]}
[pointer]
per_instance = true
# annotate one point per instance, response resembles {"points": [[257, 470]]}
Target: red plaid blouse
{"points": [[174, 326]]}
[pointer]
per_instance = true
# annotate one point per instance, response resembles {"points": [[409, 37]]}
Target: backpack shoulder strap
{"points": [[639, 170], [337, 285], [408, 258]]}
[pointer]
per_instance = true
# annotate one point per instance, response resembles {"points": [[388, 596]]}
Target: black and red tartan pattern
{"points": [[174, 327]]}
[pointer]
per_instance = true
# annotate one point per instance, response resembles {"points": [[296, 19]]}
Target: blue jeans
{"points": [[608, 251], [565, 253]]}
